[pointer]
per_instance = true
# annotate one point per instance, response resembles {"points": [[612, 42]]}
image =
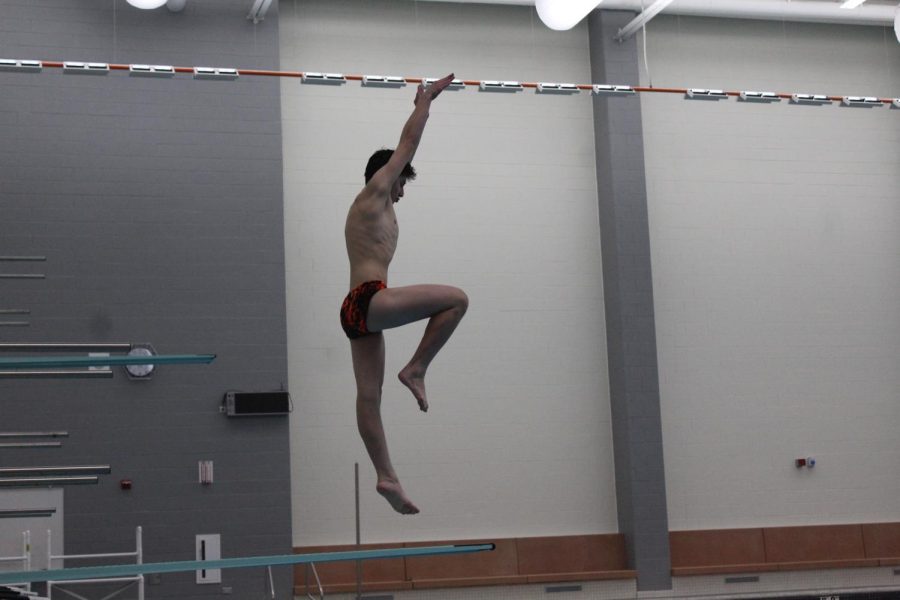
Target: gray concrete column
{"points": [[628, 296]]}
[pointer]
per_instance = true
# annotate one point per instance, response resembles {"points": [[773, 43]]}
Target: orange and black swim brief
{"points": [[355, 308]]}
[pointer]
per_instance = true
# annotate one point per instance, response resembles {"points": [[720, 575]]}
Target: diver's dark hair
{"points": [[381, 158]]}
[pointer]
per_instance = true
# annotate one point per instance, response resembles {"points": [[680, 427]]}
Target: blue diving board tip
{"points": [[54, 362], [79, 573]]}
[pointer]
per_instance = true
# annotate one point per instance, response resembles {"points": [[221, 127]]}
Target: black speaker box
{"points": [[255, 404]]}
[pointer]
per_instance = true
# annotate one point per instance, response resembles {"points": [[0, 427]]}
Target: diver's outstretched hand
{"points": [[434, 90]]}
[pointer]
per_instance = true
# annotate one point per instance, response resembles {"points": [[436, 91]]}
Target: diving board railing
{"points": [[126, 580], [18, 439], [60, 347], [85, 573], [75, 470], [50, 366], [47, 481], [23, 259], [48, 374], [49, 476], [33, 434], [24, 558], [63, 347], [52, 362]]}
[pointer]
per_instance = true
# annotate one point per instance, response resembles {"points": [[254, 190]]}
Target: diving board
{"points": [[79, 573], [52, 362]]}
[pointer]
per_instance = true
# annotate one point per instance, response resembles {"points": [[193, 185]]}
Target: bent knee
{"points": [[461, 300]]}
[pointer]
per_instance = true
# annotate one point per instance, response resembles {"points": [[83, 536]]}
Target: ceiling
{"points": [[873, 12]]}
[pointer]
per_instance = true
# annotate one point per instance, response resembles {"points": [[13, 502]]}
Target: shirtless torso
{"points": [[371, 233]]}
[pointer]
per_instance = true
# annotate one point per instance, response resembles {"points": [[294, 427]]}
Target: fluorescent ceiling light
{"points": [[146, 3], [613, 90], [564, 14], [500, 86], [557, 88], [701, 94], [852, 3]]}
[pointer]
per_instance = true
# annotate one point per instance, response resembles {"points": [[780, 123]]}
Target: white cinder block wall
{"points": [[775, 233], [517, 441]]}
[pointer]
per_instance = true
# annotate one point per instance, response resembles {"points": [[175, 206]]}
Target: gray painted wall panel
{"points": [[158, 204]]}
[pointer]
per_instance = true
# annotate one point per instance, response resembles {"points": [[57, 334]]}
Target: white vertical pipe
{"points": [[359, 562], [49, 563], [139, 537], [26, 540]]}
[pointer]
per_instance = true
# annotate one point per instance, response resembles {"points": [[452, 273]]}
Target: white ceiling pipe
{"points": [[772, 10], [897, 23], [811, 11]]}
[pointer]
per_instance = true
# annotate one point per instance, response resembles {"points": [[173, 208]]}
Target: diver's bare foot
{"points": [[394, 494], [415, 381]]}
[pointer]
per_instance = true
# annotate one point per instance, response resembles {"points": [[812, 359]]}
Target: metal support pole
{"points": [[359, 562], [271, 582]]}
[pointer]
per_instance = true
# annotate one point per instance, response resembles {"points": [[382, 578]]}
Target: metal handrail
{"points": [[33, 434], [64, 347], [318, 582], [55, 470], [73, 374]]}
